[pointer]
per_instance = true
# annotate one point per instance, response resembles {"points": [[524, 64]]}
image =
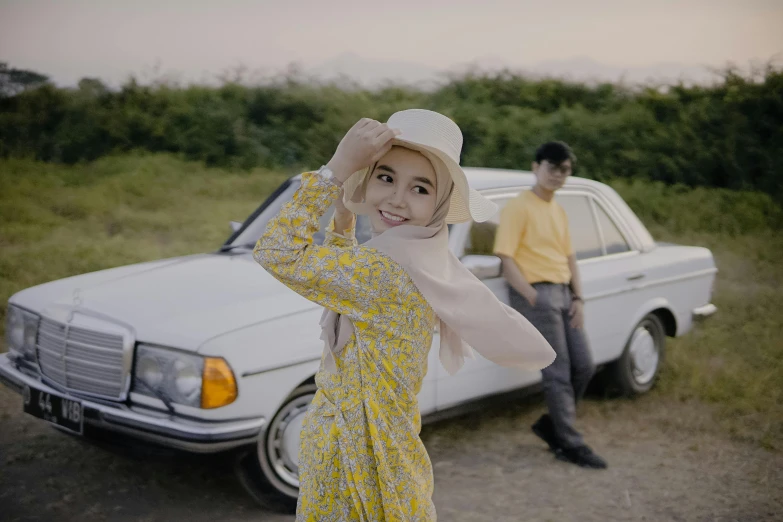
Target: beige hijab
{"points": [[470, 314]]}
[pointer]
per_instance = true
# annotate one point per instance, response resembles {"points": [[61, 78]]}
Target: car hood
{"points": [[182, 302]]}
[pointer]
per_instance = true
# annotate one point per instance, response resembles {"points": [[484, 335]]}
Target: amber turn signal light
{"points": [[218, 385]]}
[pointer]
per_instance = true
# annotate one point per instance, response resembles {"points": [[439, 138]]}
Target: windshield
{"points": [[254, 226]]}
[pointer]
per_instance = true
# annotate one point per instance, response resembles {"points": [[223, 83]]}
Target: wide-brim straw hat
{"points": [[428, 131]]}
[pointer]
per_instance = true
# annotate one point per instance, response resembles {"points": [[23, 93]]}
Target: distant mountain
{"points": [[373, 73], [587, 69]]}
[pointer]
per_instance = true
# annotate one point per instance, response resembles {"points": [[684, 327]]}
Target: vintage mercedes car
{"points": [[209, 353]]}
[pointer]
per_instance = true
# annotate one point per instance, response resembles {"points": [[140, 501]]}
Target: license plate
{"points": [[54, 408]]}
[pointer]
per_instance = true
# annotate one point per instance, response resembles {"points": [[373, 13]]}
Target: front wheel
{"points": [[635, 372], [274, 465]]}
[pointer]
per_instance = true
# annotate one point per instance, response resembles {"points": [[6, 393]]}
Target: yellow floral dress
{"points": [[361, 457]]}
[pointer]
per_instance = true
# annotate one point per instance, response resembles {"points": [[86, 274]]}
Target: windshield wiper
{"points": [[160, 395], [229, 248]]}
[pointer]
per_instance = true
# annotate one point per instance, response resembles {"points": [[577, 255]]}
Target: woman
{"points": [[361, 457]]}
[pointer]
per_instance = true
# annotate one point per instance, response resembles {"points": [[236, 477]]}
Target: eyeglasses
{"points": [[564, 169]]}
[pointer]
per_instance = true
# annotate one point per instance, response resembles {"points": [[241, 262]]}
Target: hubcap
{"points": [[282, 444], [644, 355]]}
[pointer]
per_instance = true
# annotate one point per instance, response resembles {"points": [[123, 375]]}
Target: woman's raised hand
{"points": [[366, 142]]}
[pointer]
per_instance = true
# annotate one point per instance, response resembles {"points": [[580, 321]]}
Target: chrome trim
{"points": [[594, 198], [483, 266], [155, 407], [634, 243], [261, 370], [704, 311], [185, 445], [609, 257], [163, 422], [594, 214], [64, 314], [504, 191], [283, 463], [172, 431], [674, 279], [644, 355], [625, 229]]}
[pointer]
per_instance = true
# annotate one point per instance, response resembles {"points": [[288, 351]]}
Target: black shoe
{"points": [[581, 456], [545, 430]]}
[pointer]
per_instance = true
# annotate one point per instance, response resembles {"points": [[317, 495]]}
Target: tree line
{"points": [[729, 134]]}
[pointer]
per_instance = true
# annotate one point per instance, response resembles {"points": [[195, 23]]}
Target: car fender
{"points": [[656, 303]]}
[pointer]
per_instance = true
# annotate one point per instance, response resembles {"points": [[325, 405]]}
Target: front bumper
{"points": [[705, 311], [145, 424]]}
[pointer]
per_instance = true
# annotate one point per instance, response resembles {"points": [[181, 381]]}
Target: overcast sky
{"points": [[70, 39]]}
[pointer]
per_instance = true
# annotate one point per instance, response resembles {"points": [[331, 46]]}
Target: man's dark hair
{"points": [[555, 152]]}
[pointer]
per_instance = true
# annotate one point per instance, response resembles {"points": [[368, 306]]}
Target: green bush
{"points": [[729, 135], [679, 209]]}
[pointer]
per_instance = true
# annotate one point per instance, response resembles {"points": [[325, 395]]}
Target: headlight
{"points": [[21, 330], [187, 380], [183, 378], [148, 370]]}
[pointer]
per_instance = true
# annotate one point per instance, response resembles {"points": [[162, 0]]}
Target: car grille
{"points": [[81, 360]]}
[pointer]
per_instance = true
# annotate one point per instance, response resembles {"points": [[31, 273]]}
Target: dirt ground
{"points": [[667, 463]]}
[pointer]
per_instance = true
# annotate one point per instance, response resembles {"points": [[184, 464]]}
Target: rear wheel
{"points": [[635, 372], [273, 468]]}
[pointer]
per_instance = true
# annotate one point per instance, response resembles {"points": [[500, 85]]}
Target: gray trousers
{"points": [[566, 379]]}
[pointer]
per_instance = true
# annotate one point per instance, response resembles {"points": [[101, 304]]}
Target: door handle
{"points": [[636, 277]]}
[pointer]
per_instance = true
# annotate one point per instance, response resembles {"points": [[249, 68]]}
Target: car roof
{"points": [[487, 179]]}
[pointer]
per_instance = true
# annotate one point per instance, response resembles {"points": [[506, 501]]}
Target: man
{"points": [[534, 243]]}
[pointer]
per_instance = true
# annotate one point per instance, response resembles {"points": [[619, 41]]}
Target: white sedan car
{"points": [[209, 353]]}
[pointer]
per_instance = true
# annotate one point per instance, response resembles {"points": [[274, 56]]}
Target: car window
{"points": [[481, 239], [363, 230], [584, 234], [254, 229], [613, 240], [254, 226]]}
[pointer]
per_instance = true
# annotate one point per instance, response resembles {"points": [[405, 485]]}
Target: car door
{"points": [[608, 265], [479, 377]]}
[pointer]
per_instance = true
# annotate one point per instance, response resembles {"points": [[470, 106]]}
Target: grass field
{"points": [[57, 221]]}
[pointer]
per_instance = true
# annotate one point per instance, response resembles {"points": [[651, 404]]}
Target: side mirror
{"points": [[483, 267], [235, 225]]}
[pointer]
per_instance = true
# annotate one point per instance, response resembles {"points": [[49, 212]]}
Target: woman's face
{"points": [[401, 190]]}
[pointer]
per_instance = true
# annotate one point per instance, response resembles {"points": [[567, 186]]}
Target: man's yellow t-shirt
{"points": [[535, 234]]}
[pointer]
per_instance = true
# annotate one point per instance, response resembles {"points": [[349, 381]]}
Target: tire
{"points": [[270, 472], [636, 371]]}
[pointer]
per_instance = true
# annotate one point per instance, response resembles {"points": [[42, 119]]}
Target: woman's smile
{"points": [[390, 219]]}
